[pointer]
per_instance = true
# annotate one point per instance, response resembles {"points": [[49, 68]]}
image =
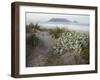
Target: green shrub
{"points": [[36, 26], [56, 32], [77, 42], [32, 26], [33, 41], [85, 54]]}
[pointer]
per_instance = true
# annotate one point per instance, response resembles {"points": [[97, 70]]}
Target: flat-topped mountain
{"points": [[59, 20], [75, 21]]}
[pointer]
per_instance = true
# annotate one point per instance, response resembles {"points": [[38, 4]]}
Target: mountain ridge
{"points": [[59, 20]]}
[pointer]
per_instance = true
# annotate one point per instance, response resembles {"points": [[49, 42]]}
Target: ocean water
{"points": [[70, 26]]}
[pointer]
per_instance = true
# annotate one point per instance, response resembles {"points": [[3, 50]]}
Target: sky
{"points": [[43, 17]]}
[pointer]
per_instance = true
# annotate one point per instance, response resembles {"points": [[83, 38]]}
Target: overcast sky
{"points": [[42, 17]]}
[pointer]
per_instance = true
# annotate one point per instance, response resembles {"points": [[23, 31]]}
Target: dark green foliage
{"points": [[36, 26], [56, 32], [85, 55], [33, 41], [85, 50], [28, 28], [32, 26]]}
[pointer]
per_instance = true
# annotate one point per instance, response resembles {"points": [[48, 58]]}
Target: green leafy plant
{"points": [[31, 27], [56, 32], [77, 42], [33, 41]]}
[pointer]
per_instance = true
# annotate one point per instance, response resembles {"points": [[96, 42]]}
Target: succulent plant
{"points": [[71, 40]]}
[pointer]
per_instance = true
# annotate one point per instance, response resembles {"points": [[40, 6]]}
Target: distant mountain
{"points": [[59, 20], [75, 21]]}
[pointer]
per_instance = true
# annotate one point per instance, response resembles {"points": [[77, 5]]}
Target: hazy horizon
{"points": [[44, 17]]}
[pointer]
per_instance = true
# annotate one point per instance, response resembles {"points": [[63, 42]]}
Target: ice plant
{"points": [[71, 41]]}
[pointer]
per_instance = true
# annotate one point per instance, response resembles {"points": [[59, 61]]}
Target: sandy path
{"points": [[38, 55]]}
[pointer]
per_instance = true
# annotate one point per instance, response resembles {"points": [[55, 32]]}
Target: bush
{"points": [[32, 26], [56, 33], [33, 41], [85, 54], [76, 42]]}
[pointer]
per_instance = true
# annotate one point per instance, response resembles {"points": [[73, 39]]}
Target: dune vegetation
{"points": [[74, 43]]}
